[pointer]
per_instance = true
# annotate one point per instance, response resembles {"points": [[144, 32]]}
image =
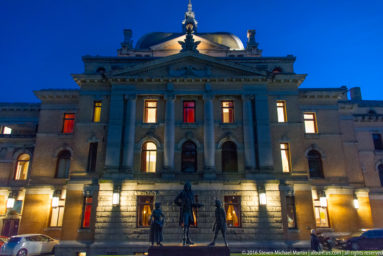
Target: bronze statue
{"points": [[220, 222], [185, 200], [157, 220]]}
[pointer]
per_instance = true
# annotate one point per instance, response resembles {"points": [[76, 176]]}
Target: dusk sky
{"points": [[336, 42]]}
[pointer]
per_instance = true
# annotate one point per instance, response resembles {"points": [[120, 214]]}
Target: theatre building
{"points": [[87, 165]]}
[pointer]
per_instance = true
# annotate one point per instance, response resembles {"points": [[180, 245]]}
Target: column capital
{"points": [[247, 96], [130, 96], [208, 96], [169, 96]]}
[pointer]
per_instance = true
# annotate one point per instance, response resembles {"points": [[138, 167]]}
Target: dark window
{"points": [[291, 215], [377, 138], [63, 164], [144, 210], [92, 157], [380, 170], [189, 157], [189, 112], [229, 157], [233, 211], [68, 124], [86, 212], [315, 164]]}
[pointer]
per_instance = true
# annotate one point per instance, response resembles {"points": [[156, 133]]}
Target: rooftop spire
{"points": [[189, 18]]}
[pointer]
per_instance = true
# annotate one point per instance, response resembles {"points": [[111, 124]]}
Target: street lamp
{"points": [[356, 202], [323, 199]]}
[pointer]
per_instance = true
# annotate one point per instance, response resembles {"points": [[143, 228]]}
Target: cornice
{"points": [[57, 94]]}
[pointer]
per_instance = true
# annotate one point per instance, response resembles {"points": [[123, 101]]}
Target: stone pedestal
{"points": [[189, 251]]}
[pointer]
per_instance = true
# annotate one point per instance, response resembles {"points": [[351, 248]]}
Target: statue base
{"points": [[189, 250]]}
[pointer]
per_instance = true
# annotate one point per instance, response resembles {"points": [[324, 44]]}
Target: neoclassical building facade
{"points": [[86, 166]]}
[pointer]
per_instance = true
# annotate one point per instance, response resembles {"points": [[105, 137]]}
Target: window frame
{"points": [[67, 119], [92, 157], [185, 114], [238, 204], [59, 157], [294, 212], [146, 111], [231, 112], [311, 159], [284, 111], [317, 205], [313, 120], [97, 111], [144, 162], [17, 165], [84, 209], [61, 209], [183, 155], [288, 154], [138, 212], [224, 159], [378, 143]]}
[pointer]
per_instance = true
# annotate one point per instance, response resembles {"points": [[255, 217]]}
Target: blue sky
{"points": [[336, 42]]}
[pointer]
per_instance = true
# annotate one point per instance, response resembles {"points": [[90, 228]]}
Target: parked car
{"points": [[29, 244], [369, 240], [3, 240]]}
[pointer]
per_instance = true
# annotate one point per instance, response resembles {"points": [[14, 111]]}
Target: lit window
{"points": [[144, 208], [195, 213], [5, 130], [22, 167], [291, 215], [281, 111], [148, 157], [97, 111], [150, 111], [321, 215], [63, 164], [377, 138], [227, 111], [285, 154], [68, 124], [310, 123], [233, 211], [86, 212], [189, 112], [92, 157], [57, 214]]}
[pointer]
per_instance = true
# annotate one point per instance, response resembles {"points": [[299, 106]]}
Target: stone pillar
{"points": [[169, 138], [113, 144], [129, 132], [265, 155], [248, 133], [209, 139]]}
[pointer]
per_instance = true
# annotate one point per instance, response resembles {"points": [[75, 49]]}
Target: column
{"points": [[265, 155], [169, 138], [209, 139], [113, 145], [248, 133], [129, 132]]}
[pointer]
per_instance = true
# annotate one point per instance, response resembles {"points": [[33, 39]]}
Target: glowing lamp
{"points": [[262, 198], [323, 201], [356, 202], [55, 201], [10, 202], [116, 198]]}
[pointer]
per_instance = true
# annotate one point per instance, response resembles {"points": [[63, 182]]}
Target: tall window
{"points": [[377, 138], [92, 157], [189, 157], [321, 215], [150, 111], [315, 164], [291, 215], [189, 111], [149, 157], [97, 106], [285, 155], [68, 124], [86, 212], [380, 170], [227, 111], [63, 164], [22, 167], [233, 211], [281, 111], [144, 210], [57, 214], [310, 123], [5, 130], [229, 157]]}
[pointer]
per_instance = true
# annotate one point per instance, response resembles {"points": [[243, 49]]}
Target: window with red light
{"points": [[189, 111], [68, 124], [227, 111], [86, 212]]}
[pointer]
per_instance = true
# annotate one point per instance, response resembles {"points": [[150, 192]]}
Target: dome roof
{"points": [[222, 38]]}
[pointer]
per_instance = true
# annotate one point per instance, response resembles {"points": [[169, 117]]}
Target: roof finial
{"points": [[189, 16]]}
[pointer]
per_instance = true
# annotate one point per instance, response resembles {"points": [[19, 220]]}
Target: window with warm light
{"points": [[68, 124], [189, 111], [144, 210], [5, 130], [150, 115], [291, 214], [310, 123], [63, 164], [97, 106], [281, 111], [86, 212], [233, 211], [195, 213], [57, 212], [227, 112], [92, 157], [22, 167], [149, 157], [321, 215], [285, 157]]}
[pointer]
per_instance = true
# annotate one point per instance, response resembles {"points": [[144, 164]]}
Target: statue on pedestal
{"points": [[220, 222], [157, 220]]}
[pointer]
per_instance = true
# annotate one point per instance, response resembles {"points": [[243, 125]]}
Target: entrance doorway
{"points": [[10, 227]]}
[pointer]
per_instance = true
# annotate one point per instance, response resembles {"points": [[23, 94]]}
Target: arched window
{"points": [[380, 170], [149, 157], [22, 167], [229, 157], [63, 164], [189, 157], [315, 164]]}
